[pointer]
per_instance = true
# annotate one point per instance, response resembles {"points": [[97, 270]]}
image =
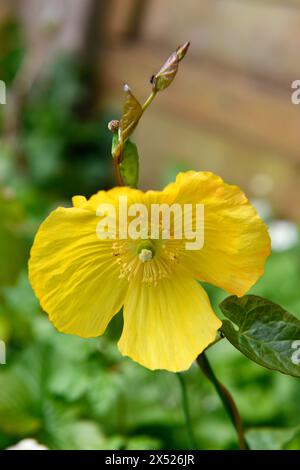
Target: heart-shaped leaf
{"points": [[264, 332]]}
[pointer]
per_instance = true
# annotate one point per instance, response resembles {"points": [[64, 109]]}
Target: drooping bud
{"points": [[167, 73]]}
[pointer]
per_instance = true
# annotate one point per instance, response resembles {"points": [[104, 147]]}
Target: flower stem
{"points": [[186, 411], [226, 399], [149, 100], [118, 176]]}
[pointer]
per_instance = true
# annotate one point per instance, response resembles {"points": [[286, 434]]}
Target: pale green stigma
{"points": [[145, 251]]}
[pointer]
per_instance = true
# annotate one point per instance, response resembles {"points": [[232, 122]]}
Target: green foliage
{"points": [[274, 439], [263, 331], [73, 393], [13, 249], [129, 165], [65, 148], [66, 391], [132, 112], [124, 152], [11, 50]]}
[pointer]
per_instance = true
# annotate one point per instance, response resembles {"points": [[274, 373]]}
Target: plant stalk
{"points": [[149, 100], [186, 411], [118, 176], [226, 399]]}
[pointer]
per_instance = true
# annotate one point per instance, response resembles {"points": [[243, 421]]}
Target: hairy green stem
{"points": [[186, 411], [226, 399]]}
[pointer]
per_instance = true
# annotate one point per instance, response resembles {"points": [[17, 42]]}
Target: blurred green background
{"points": [[71, 393]]}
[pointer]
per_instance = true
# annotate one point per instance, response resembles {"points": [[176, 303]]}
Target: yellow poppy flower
{"points": [[82, 281]]}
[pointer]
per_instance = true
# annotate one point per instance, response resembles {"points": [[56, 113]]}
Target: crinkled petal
{"points": [[168, 325], [112, 196], [236, 241], [75, 274]]}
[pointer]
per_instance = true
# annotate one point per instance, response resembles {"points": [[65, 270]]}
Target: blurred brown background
{"points": [[229, 109]]}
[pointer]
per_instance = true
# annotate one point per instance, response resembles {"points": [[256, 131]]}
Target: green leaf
{"points": [[271, 439], [143, 443], [129, 165], [132, 112], [264, 332], [83, 435], [16, 406]]}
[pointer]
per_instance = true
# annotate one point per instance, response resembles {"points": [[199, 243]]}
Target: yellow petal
{"points": [[75, 274], [236, 241], [79, 201], [166, 326], [112, 196]]}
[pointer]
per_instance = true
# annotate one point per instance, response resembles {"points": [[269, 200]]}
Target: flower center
{"points": [[151, 259], [145, 251], [145, 255]]}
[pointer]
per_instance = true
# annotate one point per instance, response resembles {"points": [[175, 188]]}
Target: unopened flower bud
{"points": [[167, 73]]}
